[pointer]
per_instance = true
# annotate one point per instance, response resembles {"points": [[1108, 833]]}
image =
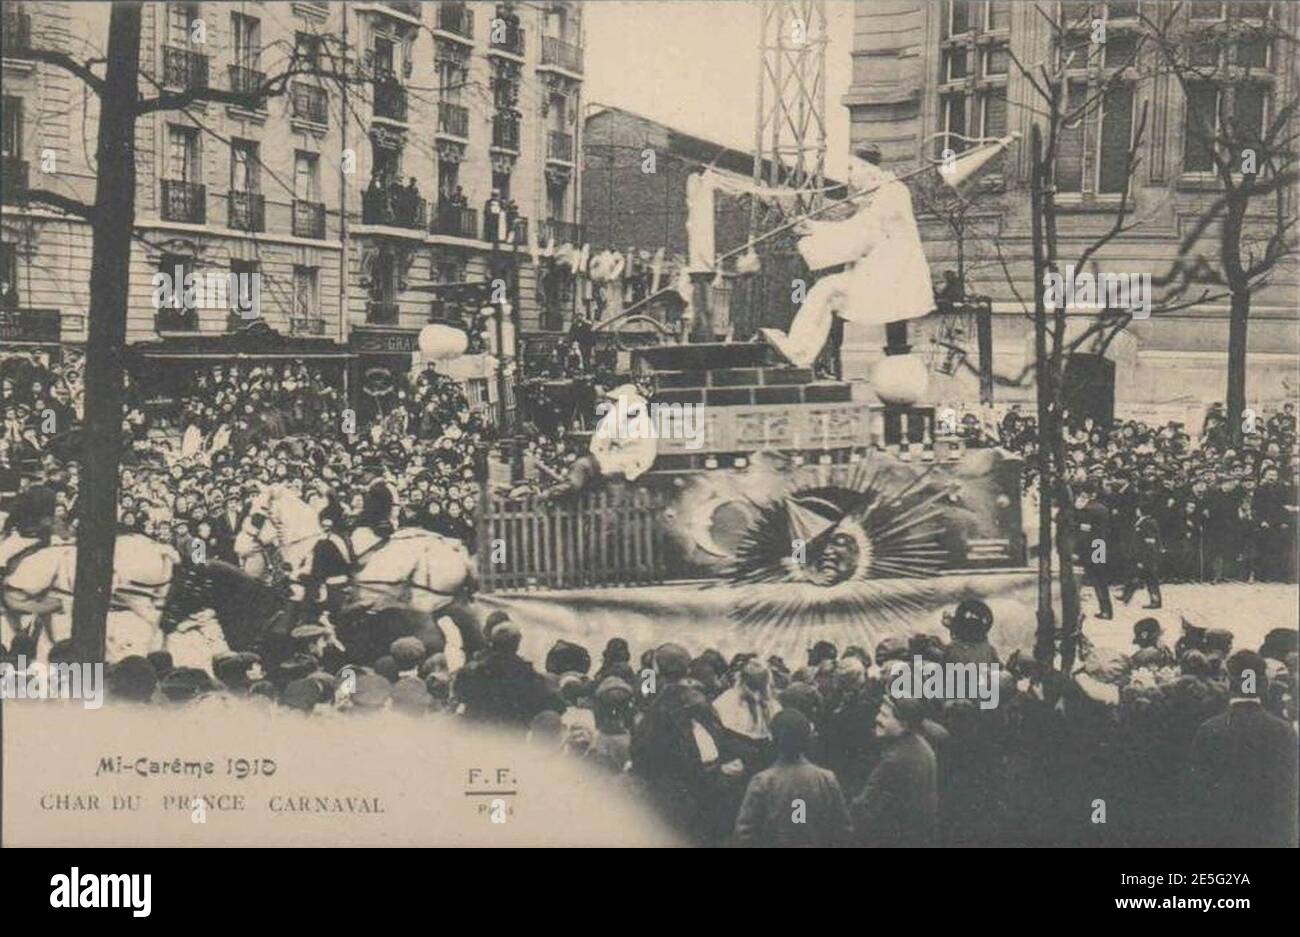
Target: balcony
{"points": [[505, 132], [17, 32], [455, 221], [247, 211], [306, 325], [409, 8], [395, 206], [170, 319], [308, 219], [516, 230], [244, 80], [453, 119], [310, 103], [184, 69], [559, 146], [382, 313], [457, 19], [13, 178], [184, 202], [562, 232], [510, 40], [390, 99], [556, 53]]}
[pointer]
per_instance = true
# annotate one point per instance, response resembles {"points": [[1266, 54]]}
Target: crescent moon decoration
{"points": [[869, 543]]}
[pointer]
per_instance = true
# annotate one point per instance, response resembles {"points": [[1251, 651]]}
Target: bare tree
{"points": [[1059, 101], [1222, 68], [112, 219]]}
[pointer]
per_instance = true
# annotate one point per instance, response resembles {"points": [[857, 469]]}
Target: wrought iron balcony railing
{"points": [[244, 80], [453, 119], [456, 18], [310, 103], [561, 54], [505, 132], [455, 221], [562, 232], [394, 206], [184, 201], [308, 219], [183, 68], [390, 99], [559, 145], [171, 319], [247, 211], [382, 313]]}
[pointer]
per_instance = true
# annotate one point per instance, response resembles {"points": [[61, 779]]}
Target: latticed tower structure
{"points": [[789, 150], [790, 125]]}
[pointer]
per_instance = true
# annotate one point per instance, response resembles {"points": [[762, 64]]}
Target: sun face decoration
{"points": [[855, 550]]}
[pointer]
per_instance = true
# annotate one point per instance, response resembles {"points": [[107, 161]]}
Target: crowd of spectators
{"points": [[753, 751], [1224, 511]]}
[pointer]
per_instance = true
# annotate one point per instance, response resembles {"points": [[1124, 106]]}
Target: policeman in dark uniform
{"points": [[1144, 553], [1092, 547]]}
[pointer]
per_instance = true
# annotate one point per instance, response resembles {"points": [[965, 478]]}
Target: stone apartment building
{"points": [[924, 69], [312, 191]]}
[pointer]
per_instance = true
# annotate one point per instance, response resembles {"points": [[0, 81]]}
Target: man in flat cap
{"points": [[794, 802], [900, 803]]}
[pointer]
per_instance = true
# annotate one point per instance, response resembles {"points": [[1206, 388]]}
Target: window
{"points": [[181, 19], [1114, 140], [243, 166], [384, 57], [9, 275], [11, 140], [306, 176], [959, 18], [383, 286], [974, 64], [307, 49], [1093, 147], [953, 123], [556, 199], [999, 15], [1202, 128], [501, 183], [176, 268], [1212, 113], [388, 163], [243, 294], [306, 297], [1069, 143], [245, 32], [448, 179], [183, 154]]}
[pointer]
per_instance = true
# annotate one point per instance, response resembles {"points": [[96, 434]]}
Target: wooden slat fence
{"points": [[611, 536]]}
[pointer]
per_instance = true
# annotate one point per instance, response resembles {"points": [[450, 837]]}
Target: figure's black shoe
{"points": [[1153, 605], [1105, 616]]}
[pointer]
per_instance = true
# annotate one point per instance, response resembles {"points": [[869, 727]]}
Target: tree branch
{"points": [[67, 63]]}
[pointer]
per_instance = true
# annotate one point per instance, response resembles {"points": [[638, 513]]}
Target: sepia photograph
{"points": [[651, 423]]}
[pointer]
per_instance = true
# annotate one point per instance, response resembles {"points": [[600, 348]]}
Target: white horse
{"points": [[42, 583], [414, 568]]}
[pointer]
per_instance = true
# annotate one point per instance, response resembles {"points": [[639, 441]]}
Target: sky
{"points": [[693, 64]]}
